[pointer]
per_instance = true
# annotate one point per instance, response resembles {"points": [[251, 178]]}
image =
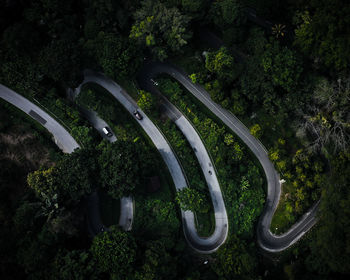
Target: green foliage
{"points": [[227, 12], [282, 65], [157, 262], [67, 182], [331, 245], [83, 134], [74, 264], [146, 101], [114, 251], [229, 156], [319, 25], [159, 218], [193, 6], [191, 199], [256, 131], [161, 28], [65, 57], [233, 260], [118, 57], [221, 63], [120, 165]]}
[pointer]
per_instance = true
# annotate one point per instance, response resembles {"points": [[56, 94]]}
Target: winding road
{"points": [[266, 239], [127, 206], [67, 144], [200, 244], [61, 136]]}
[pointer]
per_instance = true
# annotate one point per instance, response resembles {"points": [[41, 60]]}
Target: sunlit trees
{"points": [[221, 63], [191, 199], [282, 65], [146, 101], [160, 28]]}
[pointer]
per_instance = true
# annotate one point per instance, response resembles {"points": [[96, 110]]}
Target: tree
{"points": [[221, 63], [83, 135], [114, 251], [256, 131], [65, 57], [193, 6], [118, 57], [67, 182], [326, 119], [233, 260], [191, 199], [76, 264], [157, 262], [331, 245], [283, 66], [227, 12], [236, 152], [160, 218], [160, 28], [120, 167], [146, 101], [319, 25]]}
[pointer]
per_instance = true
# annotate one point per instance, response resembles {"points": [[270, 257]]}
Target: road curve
{"points": [[266, 239], [200, 244], [126, 203], [62, 138], [193, 138]]}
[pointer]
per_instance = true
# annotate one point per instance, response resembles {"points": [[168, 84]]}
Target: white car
{"points": [[107, 131]]}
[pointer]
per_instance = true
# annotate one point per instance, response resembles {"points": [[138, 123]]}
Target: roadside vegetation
{"points": [[283, 69], [189, 199], [238, 174]]}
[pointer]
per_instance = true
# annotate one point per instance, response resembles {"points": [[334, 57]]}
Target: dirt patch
{"points": [[24, 148]]}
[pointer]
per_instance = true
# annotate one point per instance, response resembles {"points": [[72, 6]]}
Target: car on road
{"points": [[107, 131], [137, 115]]}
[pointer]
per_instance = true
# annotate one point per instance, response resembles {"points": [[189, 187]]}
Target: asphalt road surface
{"points": [[203, 245], [266, 239], [61, 136], [221, 221], [126, 203]]}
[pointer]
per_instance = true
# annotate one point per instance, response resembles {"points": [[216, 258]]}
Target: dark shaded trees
{"points": [[234, 260], [114, 252], [120, 165], [331, 247], [323, 32]]}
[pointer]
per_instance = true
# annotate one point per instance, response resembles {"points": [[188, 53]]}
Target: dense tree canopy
{"points": [[160, 28], [114, 251], [323, 32], [191, 199]]}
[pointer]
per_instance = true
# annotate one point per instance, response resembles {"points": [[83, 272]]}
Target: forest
{"points": [[282, 67]]}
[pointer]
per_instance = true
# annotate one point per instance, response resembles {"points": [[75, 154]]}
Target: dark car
{"points": [[138, 115], [107, 131]]}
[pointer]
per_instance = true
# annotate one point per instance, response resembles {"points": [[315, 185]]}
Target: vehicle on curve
{"points": [[107, 131], [137, 115]]}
